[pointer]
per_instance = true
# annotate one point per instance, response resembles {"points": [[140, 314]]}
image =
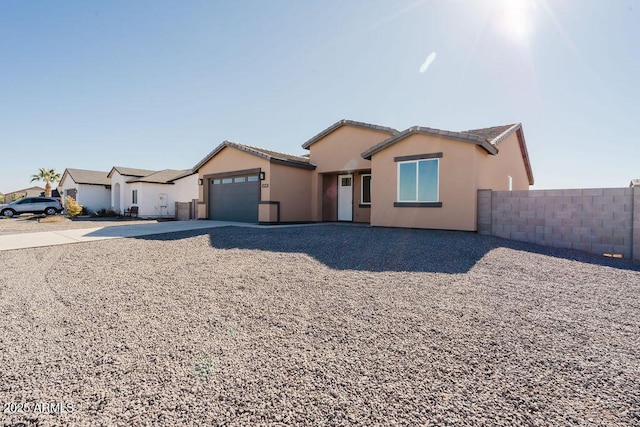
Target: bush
{"points": [[72, 207], [104, 213], [85, 211]]}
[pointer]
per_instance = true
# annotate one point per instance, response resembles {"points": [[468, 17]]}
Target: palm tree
{"points": [[48, 176]]}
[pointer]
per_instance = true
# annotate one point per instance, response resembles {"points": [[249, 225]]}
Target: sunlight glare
{"points": [[516, 19]]}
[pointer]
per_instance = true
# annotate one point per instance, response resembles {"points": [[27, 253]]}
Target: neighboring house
{"points": [[420, 177], [25, 192], [635, 183], [153, 192], [91, 189]]}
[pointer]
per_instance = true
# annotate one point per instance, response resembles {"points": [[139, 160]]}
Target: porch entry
{"points": [[345, 197]]}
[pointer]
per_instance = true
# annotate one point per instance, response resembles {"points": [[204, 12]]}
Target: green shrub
{"points": [[72, 207]]}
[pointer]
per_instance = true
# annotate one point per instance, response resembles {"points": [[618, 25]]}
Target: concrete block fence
{"points": [[598, 220]]}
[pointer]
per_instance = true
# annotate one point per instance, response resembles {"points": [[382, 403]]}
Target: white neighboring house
{"points": [[153, 192], [91, 189]]}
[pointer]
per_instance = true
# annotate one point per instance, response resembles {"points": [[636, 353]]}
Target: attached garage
{"points": [[250, 184], [234, 197]]}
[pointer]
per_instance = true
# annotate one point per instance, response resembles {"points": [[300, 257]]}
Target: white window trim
{"points": [[417, 182], [362, 202]]}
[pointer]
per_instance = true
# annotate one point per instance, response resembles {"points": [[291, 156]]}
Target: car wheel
{"points": [[50, 211], [9, 213]]}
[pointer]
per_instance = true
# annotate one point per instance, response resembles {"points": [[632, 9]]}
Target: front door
{"points": [[345, 197]]}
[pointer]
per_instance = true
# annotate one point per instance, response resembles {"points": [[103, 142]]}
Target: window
{"points": [[240, 179], [252, 178], [365, 189], [345, 182], [418, 181], [134, 197], [216, 181], [510, 179], [227, 180]]}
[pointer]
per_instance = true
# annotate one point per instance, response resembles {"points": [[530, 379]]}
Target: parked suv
{"points": [[46, 205]]}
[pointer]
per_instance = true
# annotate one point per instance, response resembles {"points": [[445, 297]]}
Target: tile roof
{"points": [[166, 176], [35, 187], [272, 156], [85, 176], [487, 138], [494, 135], [345, 122], [131, 171], [635, 182]]}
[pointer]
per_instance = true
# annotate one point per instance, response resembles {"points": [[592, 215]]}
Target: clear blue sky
{"points": [[158, 84]]}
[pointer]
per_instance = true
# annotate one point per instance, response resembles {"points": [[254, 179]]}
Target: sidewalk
{"points": [[64, 237]]}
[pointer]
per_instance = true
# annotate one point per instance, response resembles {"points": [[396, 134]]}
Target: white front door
{"points": [[345, 197]]}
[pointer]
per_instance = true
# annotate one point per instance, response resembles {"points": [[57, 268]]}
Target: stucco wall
{"points": [[149, 201], [340, 151], [290, 186], [598, 220], [457, 187], [186, 189], [94, 197], [493, 171]]}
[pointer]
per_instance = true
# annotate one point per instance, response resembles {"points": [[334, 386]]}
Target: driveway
{"points": [[326, 325]]}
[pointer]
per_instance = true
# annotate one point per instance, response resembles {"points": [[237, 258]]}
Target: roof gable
{"points": [[487, 138], [166, 176], [334, 127], [271, 156], [130, 171], [85, 176]]}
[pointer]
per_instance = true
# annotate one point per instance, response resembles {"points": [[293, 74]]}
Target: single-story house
{"points": [[91, 189], [25, 192], [420, 177], [635, 183], [153, 192]]}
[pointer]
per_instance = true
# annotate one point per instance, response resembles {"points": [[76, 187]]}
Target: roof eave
{"points": [[344, 122]]}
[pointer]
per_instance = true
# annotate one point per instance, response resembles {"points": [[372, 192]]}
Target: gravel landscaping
{"points": [[326, 325], [30, 224]]}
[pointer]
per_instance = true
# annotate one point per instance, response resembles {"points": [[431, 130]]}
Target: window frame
{"points": [[362, 202], [416, 162], [134, 197]]}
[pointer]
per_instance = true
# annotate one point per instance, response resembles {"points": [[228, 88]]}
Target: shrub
{"points": [[104, 213], [85, 211], [72, 207]]}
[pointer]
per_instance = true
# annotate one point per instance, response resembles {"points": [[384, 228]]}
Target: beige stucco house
{"points": [[359, 172]]}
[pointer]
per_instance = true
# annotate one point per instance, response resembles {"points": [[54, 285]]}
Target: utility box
{"points": [[162, 200]]}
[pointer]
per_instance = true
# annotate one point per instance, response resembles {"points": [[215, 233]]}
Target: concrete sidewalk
{"points": [[64, 237]]}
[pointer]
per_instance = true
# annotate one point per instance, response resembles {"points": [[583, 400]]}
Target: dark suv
{"points": [[45, 205]]}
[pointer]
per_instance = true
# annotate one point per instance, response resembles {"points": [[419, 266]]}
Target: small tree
{"points": [[47, 176], [72, 207]]}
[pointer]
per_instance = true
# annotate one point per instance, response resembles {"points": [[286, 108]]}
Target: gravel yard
{"points": [[30, 224], [327, 325]]}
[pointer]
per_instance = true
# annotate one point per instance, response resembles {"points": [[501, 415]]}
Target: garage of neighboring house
{"points": [[250, 184]]}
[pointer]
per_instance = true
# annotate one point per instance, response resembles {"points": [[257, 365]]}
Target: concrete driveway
{"points": [[64, 237]]}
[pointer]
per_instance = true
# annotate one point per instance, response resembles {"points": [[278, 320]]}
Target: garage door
{"points": [[234, 198]]}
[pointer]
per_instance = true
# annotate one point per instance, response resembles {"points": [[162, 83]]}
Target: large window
{"points": [[365, 189], [418, 181], [134, 197]]}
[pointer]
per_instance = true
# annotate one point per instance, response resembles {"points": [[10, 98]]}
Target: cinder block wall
{"points": [[598, 220]]}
